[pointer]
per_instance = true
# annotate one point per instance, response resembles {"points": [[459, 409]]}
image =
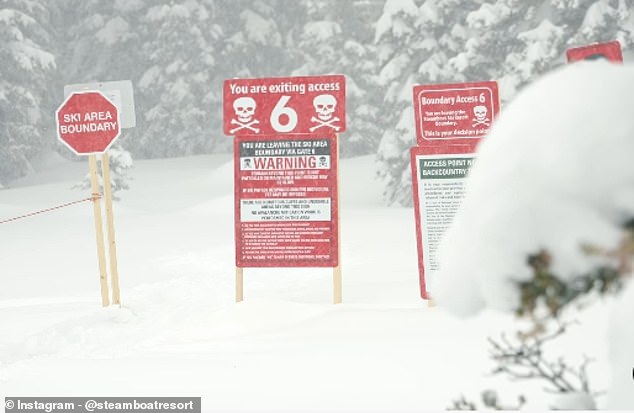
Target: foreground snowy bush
{"points": [[555, 174]]}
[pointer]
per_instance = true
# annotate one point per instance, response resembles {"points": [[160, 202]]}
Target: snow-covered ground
{"points": [[179, 331]]}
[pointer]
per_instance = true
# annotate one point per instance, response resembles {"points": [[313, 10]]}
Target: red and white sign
{"points": [[454, 112], [439, 174], [87, 122], [286, 201], [610, 51], [293, 105]]}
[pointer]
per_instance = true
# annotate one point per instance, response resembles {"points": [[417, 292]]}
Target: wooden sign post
{"points": [[112, 247], [101, 252], [239, 284]]}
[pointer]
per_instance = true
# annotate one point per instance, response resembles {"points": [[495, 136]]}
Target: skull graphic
{"points": [[480, 113], [244, 108], [324, 106]]}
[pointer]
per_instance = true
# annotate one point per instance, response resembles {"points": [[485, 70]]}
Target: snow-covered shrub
{"points": [[547, 217], [120, 162]]}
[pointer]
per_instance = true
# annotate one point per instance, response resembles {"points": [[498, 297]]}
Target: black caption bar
{"points": [[102, 404]]}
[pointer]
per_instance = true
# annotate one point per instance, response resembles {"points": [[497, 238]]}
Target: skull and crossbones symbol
{"points": [[480, 113], [244, 108], [325, 106]]}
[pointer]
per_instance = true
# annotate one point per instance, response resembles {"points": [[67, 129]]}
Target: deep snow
{"points": [[179, 332]]}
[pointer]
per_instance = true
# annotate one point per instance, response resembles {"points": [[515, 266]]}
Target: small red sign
{"points": [[286, 201], [87, 122], [454, 113], [610, 51], [289, 105], [438, 176]]}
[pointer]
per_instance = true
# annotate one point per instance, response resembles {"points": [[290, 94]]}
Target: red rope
{"points": [[94, 197]]}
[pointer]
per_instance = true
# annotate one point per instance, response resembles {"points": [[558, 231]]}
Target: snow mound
{"points": [[154, 319], [573, 401], [554, 173]]}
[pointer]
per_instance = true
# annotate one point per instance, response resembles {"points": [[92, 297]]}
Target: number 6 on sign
{"points": [[284, 105], [278, 111]]}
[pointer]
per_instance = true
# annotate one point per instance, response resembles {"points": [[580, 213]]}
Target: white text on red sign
{"points": [[284, 105], [456, 111], [91, 122]]}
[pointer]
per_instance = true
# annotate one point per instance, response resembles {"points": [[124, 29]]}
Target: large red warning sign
{"points": [[454, 112], [286, 201]]}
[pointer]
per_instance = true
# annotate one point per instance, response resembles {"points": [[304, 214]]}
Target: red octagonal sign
{"points": [[87, 122]]}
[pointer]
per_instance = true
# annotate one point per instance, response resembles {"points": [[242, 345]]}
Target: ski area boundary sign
{"points": [[87, 122]]}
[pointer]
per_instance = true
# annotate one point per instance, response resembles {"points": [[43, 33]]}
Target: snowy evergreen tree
{"points": [[170, 51], [396, 35], [28, 63], [506, 41], [589, 21], [177, 53], [337, 38], [101, 41], [261, 37], [179, 93], [415, 43], [120, 162], [511, 41]]}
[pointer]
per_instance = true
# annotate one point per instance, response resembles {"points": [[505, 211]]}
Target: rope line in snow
{"points": [[94, 197]]}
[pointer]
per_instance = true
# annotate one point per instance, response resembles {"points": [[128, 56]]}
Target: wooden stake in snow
{"points": [[112, 247], [101, 252], [239, 284]]}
